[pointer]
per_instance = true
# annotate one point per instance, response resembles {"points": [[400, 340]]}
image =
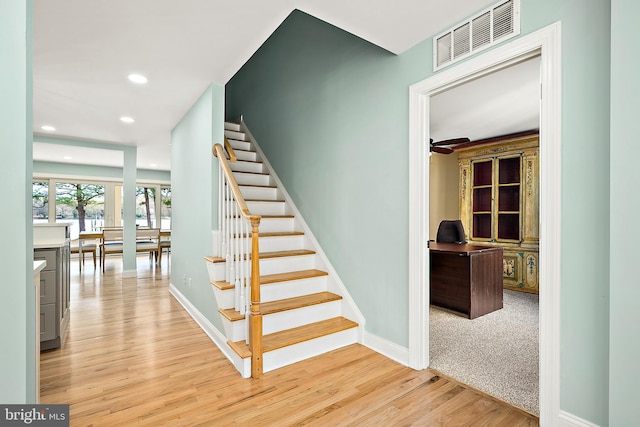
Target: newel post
{"points": [[255, 316]]}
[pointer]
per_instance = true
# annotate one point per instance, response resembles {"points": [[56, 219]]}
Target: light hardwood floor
{"points": [[134, 357]]}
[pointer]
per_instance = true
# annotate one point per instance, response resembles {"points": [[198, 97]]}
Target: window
{"points": [[81, 204], [40, 201], [93, 205], [146, 206]]}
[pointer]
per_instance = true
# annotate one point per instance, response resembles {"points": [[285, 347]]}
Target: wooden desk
{"points": [[466, 278]]}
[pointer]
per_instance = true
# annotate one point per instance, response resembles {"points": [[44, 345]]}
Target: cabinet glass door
{"points": [[508, 198], [482, 199]]}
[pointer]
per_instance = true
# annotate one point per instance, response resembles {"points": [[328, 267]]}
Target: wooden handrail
{"points": [[229, 148], [244, 210], [255, 315]]}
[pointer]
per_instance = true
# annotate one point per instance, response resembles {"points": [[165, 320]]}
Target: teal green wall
{"points": [[97, 172], [194, 182], [625, 205], [331, 113], [17, 294]]}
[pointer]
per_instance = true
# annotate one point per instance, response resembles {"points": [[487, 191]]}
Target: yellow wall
{"points": [[444, 201]]}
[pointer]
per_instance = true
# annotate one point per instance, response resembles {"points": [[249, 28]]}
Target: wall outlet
{"points": [[184, 279], [189, 281]]}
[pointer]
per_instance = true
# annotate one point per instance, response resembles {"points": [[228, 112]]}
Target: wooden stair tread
{"points": [[275, 278], [296, 335], [274, 234], [241, 348], [252, 173], [284, 304], [291, 275], [297, 302], [247, 161], [222, 285], [263, 255], [280, 254], [257, 186]]}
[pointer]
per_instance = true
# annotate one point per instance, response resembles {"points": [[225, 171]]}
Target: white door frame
{"points": [[546, 43]]}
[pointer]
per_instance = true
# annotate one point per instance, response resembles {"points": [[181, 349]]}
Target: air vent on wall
{"points": [[493, 25]]}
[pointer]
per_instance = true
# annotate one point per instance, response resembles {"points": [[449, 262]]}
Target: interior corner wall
{"points": [[330, 112], [194, 188], [625, 205], [17, 292]]}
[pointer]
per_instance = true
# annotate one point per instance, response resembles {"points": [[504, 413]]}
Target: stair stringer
{"points": [[334, 284]]}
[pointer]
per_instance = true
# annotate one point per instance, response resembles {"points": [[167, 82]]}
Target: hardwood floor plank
{"points": [[134, 357]]}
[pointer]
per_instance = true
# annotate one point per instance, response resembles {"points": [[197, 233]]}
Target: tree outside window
{"points": [[79, 201]]}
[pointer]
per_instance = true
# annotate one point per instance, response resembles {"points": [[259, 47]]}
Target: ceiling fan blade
{"points": [[442, 150], [451, 142]]}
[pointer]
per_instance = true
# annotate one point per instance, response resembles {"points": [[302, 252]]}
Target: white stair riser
{"points": [[292, 288], [240, 145], [268, 225], [275, 243], [287, 264], [232, 126], [224, 299], [232, 134], [288, 319], [215, 270], [252, 179], [267, 208], [234, 331], [281, 243], [247, 156], [259, 193], [276, 291], [241, 166], [307, 349]]}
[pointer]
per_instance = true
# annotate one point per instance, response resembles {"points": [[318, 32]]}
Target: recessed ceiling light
{"points": [[153, 165], [68, 157], [48, 128], [127, 119], [137, 78]]}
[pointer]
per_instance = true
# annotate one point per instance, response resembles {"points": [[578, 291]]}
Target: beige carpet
{"points": [[496, 353]]}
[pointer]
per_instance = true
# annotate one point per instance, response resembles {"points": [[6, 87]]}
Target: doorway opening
{"points": [[545, 43]]}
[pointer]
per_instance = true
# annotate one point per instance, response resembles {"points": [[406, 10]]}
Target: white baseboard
{"points": [[566, 419], [212, 332], [387, 348]]}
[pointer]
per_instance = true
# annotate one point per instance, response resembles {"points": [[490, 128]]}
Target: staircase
{"points": [[306, 309]]}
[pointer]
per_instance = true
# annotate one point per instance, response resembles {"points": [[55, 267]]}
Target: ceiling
{"points": [[84, 51]]}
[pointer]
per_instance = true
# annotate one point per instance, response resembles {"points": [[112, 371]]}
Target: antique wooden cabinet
{"points": [[499, 203]]}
